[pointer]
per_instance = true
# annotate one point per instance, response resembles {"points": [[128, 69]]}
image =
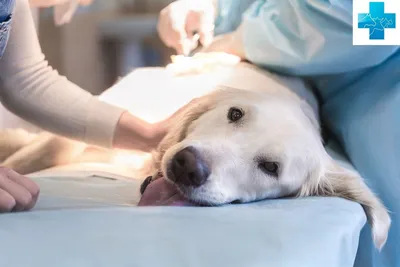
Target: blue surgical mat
{"points": [[93, 222]]}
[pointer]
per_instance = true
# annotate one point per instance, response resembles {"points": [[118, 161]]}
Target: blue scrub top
{"points": [[300, 37]]}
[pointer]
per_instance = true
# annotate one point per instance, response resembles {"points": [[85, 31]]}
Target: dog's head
{"points": [[241, 146]]}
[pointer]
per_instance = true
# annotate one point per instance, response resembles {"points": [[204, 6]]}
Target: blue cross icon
{"points": [[377, 20]]}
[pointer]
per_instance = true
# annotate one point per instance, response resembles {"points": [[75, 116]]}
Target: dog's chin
{"points": [[201, 197]]}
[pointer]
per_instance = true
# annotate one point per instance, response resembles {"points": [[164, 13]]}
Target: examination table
{"points": [[90, 220]]}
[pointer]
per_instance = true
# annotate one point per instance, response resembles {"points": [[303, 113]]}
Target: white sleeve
{"points": [[31, 89]]}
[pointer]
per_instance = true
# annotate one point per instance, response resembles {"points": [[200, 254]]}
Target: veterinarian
{"points": [[31, 89], [359, 86]]}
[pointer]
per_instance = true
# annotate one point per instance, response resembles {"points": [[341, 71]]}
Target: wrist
{"points": [[134, 133], [131, 133]]}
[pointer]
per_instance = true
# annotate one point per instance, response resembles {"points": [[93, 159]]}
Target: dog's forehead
{"points": [[271, 123], [262, 110], [262, 125], [263, 101]]}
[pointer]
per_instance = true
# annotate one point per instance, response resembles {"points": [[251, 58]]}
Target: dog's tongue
{"points": [[162, 193]]}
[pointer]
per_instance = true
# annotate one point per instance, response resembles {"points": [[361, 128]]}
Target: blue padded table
{"points": [[93, 222]]}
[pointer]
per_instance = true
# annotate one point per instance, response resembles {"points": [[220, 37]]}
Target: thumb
{"points": [[206, 37], [206, 29], [203, 23]]}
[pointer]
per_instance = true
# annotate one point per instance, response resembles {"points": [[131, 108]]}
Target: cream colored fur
{"points": [[277, 125]]}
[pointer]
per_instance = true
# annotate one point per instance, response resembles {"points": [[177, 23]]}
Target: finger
{"points": [[189, 33], [182, 47], [179, 48], [192, 26], [178, 36], [186, 46], [206, 37], [7, 202], [23, 198], [181, 42], [172, 37], [192, 40], [203, 23], [25, 182], [206, 31]]}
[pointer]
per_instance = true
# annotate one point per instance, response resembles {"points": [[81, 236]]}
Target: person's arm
{"points": [[299, 37], [34, 91], [229, 14]]}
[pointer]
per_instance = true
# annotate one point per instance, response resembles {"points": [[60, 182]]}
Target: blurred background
{"points": [[103, 41]]}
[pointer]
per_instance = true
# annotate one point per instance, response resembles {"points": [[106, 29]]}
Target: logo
{"points": [[374, 22]]}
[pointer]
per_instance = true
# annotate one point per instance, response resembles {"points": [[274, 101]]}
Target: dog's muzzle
{"points": [[188, 168]]}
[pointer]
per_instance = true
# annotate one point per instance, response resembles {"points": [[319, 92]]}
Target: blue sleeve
{"points": [[301, 37], [230, 14]]}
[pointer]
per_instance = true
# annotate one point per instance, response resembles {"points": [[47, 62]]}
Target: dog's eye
{"points": [[235, 114], [269, 167]]}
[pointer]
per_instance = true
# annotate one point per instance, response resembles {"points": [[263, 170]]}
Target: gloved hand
{"points": [[181, 19], [17, 192]]}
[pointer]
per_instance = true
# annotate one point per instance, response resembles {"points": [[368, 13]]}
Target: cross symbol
{"points": [[377, 20]]}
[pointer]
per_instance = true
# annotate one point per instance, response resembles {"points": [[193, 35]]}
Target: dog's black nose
{"points": [[188, 168]]}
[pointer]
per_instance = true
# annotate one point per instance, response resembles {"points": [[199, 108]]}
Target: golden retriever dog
{"points": [[251, 138]]}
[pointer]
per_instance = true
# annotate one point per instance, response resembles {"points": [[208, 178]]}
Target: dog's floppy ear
{"points": [[179, 127], [311, 114], [339, 182]]}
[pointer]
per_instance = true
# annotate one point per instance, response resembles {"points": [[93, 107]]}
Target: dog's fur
{"points": [[277, 126]]}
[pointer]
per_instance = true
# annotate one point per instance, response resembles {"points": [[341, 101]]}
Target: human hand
{"points": [[180, 19], [17, 192], [49, 3], [136, 134]]}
